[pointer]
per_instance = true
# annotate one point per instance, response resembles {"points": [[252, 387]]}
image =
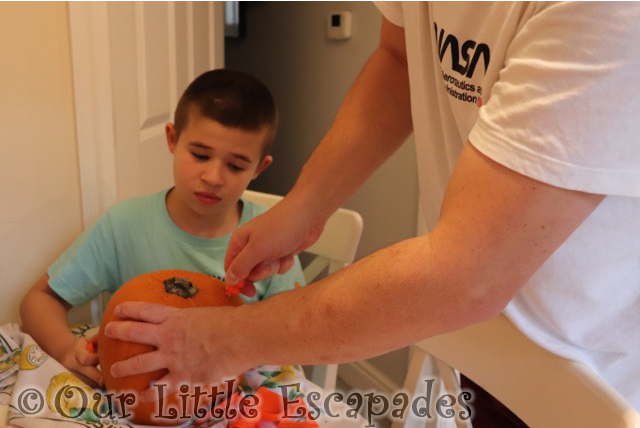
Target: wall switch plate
{"points": [[339, 25]]}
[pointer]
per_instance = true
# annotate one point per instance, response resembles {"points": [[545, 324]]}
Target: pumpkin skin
{"points": [[150, 287]]}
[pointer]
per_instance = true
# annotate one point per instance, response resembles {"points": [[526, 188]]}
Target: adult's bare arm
{"points": [[496, 229], [372, 123]]}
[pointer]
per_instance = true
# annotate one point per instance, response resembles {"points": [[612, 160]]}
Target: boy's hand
{"points": [[267, 245], [82, 362]]}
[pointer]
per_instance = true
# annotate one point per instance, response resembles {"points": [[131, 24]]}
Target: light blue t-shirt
{"points": [[138, 236]]}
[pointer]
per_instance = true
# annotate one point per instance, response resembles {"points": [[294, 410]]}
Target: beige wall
{"points": [[40, 212]]}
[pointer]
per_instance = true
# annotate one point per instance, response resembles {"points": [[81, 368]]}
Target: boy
{"points": [[225, 124]]}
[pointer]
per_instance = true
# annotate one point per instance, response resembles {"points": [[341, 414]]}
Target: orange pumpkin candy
{"points": [[178, 288]]}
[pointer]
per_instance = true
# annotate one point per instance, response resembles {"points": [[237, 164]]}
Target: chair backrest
{"points": [[543, 389], [338, 243]]}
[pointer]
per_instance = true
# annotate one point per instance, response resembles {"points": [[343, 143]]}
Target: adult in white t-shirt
{"points": [[538, 216], [549, 91]]}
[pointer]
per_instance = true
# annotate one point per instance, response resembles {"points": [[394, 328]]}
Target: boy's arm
{"points": [[44, 317]]}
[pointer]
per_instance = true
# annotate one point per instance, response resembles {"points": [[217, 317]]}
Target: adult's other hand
{"points": [[187, 342]]}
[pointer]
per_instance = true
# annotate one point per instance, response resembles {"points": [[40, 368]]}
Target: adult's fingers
{"points": [[269, 268], [249, 265], [237, 243], [248, 289], [264, 270], [141, 363], [286, 263], [149, 312], [134, 331]]}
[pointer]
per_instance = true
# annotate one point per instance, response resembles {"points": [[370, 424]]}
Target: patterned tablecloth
{"points": [[31, 383]]}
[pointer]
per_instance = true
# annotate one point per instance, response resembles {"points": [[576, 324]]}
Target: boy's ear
{"points": [[266, 161], [170, 132]]}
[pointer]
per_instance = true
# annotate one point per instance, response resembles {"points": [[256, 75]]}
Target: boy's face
{"points": [[213, 165]]}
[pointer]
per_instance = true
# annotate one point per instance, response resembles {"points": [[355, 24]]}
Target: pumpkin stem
{"points": [[180, 287]]}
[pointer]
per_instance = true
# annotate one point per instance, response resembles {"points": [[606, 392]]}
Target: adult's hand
{"points": [[194, 344], [267, 245], [372, 123]]}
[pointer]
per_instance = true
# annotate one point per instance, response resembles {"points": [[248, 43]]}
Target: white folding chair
{"points": [[541, 388], [335, 249]]}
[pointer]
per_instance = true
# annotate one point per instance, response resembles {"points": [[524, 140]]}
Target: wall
{"points": [[286, 47], [40, 212]]}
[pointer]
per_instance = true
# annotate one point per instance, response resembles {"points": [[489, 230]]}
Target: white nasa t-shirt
{"points": [[548, 90]]}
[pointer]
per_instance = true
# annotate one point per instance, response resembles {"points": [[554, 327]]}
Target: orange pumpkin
{"points": [[178, 288]]}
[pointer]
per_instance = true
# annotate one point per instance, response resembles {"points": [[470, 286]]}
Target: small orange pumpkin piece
{"points": [[178, 288]]}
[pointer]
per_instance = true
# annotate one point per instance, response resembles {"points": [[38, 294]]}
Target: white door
{"points": [[131, 61]]}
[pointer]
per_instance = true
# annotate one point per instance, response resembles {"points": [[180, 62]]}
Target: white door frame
{"points": [[89, 30]]}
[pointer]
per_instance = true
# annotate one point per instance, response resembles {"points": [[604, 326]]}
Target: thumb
{"points": [[234, 272], [240, 267]]}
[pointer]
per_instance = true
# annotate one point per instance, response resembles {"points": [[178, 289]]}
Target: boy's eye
{"points": [[200, 156], [235, 168]]}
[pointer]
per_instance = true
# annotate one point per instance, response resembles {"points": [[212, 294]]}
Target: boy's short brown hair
{"points": [[232, 98]]}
